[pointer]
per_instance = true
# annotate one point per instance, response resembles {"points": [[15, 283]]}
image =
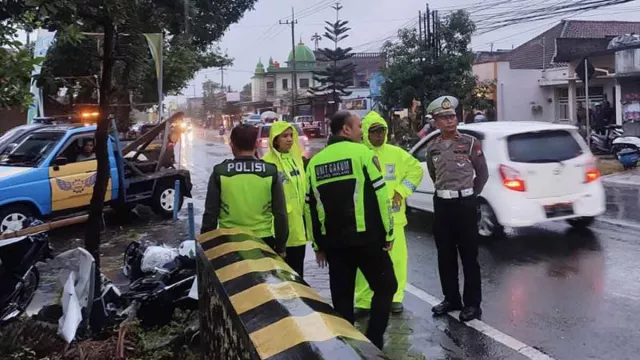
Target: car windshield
{"points": [[10, 134], [32, 150], [543, 147], [266, 130]]}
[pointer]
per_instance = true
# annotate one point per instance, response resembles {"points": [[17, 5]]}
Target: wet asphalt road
{"points": [[572, 295]]}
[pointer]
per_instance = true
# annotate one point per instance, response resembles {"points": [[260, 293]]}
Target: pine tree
{"points": [[338, 74]]}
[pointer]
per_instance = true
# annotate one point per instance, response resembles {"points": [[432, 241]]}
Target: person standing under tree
{"points": [[459, 172]]}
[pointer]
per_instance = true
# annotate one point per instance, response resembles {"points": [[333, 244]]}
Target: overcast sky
{"points": [[258, 36]]}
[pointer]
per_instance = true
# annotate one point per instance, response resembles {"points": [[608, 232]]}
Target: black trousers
{"points": [[295, 258], [377, 268], [456, 232]]}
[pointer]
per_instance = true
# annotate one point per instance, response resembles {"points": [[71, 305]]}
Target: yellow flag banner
{"points": [[155, 46]]}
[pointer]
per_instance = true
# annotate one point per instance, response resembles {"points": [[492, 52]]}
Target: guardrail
{"points": [[254, 306]]}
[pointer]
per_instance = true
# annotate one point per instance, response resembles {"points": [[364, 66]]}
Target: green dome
{"points": [[303, 54], [259, 68]]}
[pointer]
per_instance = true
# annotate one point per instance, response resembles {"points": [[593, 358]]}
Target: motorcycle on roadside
{"points": [[626, 148], [19, 276], [602, 143]]}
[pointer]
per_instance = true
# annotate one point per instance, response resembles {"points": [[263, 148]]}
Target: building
{"points": [[617, 67], [485, 68], [532, 83], [271, 86], [194, 107]]}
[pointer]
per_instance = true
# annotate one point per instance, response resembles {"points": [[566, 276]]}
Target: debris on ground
{"points": [[31, 339]]}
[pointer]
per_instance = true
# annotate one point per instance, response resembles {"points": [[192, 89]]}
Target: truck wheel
{"points": [[12, 217], [163, 199]]}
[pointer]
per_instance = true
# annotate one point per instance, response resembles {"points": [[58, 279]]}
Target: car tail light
{"points": [[592, 173], [511, 179]]}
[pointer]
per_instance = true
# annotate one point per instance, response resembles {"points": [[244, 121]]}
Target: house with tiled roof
{"points": [[534, 83]]}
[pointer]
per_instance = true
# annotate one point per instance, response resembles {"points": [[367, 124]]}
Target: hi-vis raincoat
{"points": [[402, 174], [291, 166]]}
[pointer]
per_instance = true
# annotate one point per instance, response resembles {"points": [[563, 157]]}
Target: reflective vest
{"points": [[347, 198], [246, 195]]}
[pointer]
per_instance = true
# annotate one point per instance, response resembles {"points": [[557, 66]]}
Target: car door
{"points": [[72, 178], [422, 198]]}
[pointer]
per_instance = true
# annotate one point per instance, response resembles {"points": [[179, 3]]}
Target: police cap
{"points": [[444, 105]]}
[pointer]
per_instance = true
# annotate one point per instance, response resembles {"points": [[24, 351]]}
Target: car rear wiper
{"points": [[547, 161]]}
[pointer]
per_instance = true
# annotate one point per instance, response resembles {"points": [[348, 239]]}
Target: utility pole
{"points": [[222, 77], [294, 85], [316, 40]]}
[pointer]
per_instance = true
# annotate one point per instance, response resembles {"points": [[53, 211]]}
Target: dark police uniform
{"points": [[349, 213], [459, 172], [247, 193]]}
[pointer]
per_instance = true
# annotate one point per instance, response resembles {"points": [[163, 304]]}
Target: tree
{"points": [[117, 20], [135, 80], [338, 74], [16, 59], [210, 100], [414, 72], [245, 93]]}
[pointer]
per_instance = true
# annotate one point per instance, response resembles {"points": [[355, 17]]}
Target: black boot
{"points": [[469, 313], [446, 307]]}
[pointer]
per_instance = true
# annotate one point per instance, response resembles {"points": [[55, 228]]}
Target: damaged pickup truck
{"points": [[52, 170]]}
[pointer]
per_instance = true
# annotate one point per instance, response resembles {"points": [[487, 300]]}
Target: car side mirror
{"points": [[60, 161]]}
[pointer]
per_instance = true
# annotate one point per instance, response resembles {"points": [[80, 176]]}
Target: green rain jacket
{"points": [[402, 172], [291, 168]]}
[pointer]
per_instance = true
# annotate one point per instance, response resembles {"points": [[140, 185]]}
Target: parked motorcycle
{"points": [[602, 143], [19, 277], [627, 147]]}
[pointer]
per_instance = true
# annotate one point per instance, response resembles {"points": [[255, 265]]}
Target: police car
{"points": [[538, 172]]}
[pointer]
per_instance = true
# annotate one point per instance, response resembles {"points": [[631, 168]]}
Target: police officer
{"points": [[240, 189], [351, 227], [402, 174], [453, 159]]}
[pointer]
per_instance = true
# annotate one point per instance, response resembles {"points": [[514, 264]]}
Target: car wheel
{"points": [[488, 225], [12, 218], [581, 222], [163, 199]]}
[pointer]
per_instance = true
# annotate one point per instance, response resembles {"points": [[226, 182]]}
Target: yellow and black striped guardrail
{"points": [[254, 306]]}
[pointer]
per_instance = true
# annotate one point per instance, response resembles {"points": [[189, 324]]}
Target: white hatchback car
{"points": [[538, 172]]}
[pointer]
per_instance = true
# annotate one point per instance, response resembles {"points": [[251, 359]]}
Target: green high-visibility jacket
{"points": [[402, 172], [347, 198], [247, 193], [291, 168]]}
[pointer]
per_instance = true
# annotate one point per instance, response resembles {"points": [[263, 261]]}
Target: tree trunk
{"points": [[94, 224]]}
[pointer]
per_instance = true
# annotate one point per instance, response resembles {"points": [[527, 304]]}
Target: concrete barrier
{"points": [[254, 306]]}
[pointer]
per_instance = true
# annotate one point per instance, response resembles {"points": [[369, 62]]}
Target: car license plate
{"points": [[558, 210]]}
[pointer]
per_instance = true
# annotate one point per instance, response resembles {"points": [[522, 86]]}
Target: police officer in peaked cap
{"points": [[459, 172]]}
